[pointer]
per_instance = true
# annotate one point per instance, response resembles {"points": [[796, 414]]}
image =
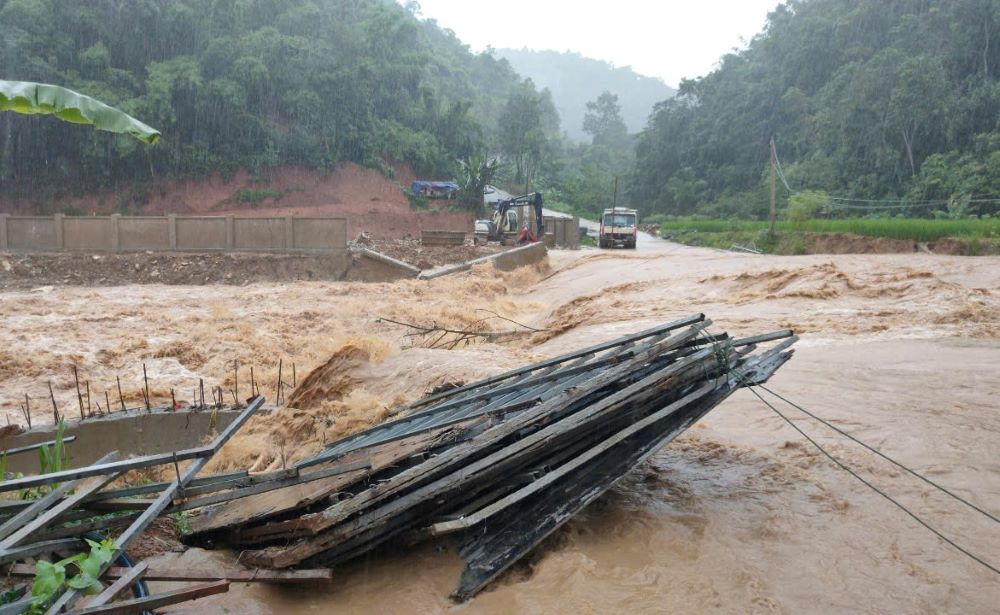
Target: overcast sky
{"points": [[670, 39]]}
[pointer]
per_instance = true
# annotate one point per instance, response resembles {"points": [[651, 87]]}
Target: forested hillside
{"points": [[244, 84], [865, 99], [574, 80]]}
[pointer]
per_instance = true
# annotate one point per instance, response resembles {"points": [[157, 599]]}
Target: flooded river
{"points": [[739, 514]]}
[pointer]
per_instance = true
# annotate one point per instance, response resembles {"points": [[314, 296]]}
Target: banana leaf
{"points": [[34, 98]]}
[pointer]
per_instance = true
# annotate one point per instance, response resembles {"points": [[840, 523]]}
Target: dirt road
{"points": [[738, 515]]}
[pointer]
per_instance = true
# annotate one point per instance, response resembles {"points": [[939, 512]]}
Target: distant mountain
{"points": [[574, 80]]}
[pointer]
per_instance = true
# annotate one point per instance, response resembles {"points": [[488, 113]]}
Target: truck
{"points": [[503, 225], [618, 228]]}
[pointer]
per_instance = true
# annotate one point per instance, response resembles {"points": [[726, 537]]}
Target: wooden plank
{"points": [[38, 548], [677, 324], [316, 522], [150, 514], [535, 486], [517, 529], [127, 577], [191, 575], [139, 605], [100, 469], [378, 457], [263, 506], [283, 557], [36, 508], [82, 491], [546, 380], [10, 452]]}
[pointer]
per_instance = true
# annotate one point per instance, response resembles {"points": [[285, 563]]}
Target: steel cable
{"points": [[842, 466]]}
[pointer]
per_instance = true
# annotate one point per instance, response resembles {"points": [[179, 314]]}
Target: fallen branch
{"points": [[442, 339]]}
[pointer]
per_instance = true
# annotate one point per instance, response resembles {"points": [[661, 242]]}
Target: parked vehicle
{"points": [[618, 228]]}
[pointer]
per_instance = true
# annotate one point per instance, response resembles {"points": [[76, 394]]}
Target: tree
{"points": [[477, 172], [859, 95], [241, 84], [525, 126], [603, 121]]}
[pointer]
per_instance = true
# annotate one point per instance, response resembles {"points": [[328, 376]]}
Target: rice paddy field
{"points": [[966, 236], [915, 229]]}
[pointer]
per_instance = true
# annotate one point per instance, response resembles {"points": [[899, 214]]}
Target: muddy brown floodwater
{"points": [[737, 515]]}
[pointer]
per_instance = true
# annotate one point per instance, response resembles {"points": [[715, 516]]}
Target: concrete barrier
{"points": [[442, 238], [565, 231], [371, 266], [504, 261]]}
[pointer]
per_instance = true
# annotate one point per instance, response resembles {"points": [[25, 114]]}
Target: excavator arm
{"points": [[532, 198]]}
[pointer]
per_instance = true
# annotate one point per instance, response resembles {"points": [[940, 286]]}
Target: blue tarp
{"points": [[431, 187]]}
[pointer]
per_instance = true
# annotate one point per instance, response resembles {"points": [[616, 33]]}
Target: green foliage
{"points": [[868, 99], [246, 85], [603, 121], [50, 459], [10, 595], [527, 125], [40, 98], [805, 205], [477, 173], [51, 577], [914, 229], [182, 523], [255, 197]]}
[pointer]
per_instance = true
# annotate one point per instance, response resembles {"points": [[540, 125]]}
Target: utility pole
{"points": [[774, 170], [614, 197]]}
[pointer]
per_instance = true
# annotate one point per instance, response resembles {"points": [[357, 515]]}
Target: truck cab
{"points": [[618, 228]]}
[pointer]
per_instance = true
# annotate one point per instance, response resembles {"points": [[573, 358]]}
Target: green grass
{"points": [[255, 197], [914, 229]]}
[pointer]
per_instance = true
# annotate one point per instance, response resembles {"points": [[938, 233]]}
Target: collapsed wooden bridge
{"points": [[496, 465]]}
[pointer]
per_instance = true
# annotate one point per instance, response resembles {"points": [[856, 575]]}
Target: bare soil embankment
{"points": [[370, 201], [32, 270]]}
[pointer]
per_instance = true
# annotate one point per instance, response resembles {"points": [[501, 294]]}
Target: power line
{"points": [[899, 465], [873, 487], [889, 203]]}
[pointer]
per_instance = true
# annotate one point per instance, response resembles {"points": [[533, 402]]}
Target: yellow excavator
{"points": [[503, 226]]}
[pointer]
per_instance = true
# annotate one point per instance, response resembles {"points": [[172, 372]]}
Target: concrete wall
{"points": [[201, 233], [91, 234], [319, 233], [504, 261], [565, 231], [145, 233], [266, 234], [164, 233], [519, 257], [396, 225], [28, 233], [370, 266]]}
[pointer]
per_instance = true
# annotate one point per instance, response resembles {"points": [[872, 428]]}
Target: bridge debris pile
{"points": [[497, 464]]}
